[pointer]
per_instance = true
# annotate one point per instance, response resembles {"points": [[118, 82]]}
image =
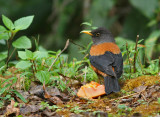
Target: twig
{"points": [[33, 70], [128, 58], [84, 58], [9, 47], [123, 97], [67, 43], [77, 44], [65, 77], [140, 63], [135, 54], [11, 55]]}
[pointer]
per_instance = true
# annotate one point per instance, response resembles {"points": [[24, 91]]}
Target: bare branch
{"points": [[67, 43]]}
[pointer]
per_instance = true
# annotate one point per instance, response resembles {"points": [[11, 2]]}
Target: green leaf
{"points": [[23, 23], [22, 43], [7, 22], [2, 29], [7, 80], [22, 54], [2, 90], [43, 76], [140, 40], [4, 36], [94, 28], [29, 54], [20, 96], [122, 106], [86, 23], [3, 42], [3, 33], [3, 56], [23, 64], [147, 7], [150, 43], [39, 54]]}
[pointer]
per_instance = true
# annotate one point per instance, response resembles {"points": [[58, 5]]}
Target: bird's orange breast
{"points": [[100, 49]]}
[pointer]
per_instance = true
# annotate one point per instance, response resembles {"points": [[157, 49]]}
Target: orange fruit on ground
{"points": [[91, 90]]}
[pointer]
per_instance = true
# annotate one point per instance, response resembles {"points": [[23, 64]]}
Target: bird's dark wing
{"points": [[105, 62], [118, 64]]}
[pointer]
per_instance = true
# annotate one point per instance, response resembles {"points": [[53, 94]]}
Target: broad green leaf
{"points": [[3, 42], [150, 43], [140, 40], [4, 35], [3, 56], [7, 22], [23, 64], [147, 7], [20, 96], [2, 29], [43, 76], [23, 23], [22, 54], [29, 54], [22, 43], [39, 54]]}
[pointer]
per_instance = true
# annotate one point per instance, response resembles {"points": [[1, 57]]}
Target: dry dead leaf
{"points": [[139, 89], [29, 108], [11, 109]]}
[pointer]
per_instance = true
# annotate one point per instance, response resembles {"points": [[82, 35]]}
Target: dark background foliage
{"points": [[57, 20]]}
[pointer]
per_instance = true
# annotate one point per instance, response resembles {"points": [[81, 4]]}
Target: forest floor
{"points": [[138, 97]]}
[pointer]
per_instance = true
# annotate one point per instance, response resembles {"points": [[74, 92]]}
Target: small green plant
{"points": [[137, 56], [8, 33], [7, 91], [123, 110], [45, 105], [142, 101], [77, 110]]}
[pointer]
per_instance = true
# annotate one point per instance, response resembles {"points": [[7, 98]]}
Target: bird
{"points": [[106, 58]]}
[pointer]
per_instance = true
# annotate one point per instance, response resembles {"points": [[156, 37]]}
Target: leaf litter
{"points": [[137, 100]]}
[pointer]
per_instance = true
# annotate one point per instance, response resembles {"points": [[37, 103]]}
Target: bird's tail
{"points": [[111, 85]]}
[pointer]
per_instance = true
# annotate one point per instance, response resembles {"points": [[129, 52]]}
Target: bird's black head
{"points": [[100, 35]]}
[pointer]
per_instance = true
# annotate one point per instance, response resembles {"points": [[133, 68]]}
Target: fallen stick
{"points": [[67, 43]]}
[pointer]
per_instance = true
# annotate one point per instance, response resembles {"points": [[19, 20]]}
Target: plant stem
{"points": [[135, 54], [34, 63], [128, 59], [33, 70], [11, 55], [9, 47], [67, 43]]}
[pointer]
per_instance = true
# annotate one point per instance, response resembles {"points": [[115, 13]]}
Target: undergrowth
{"points": [[53, 67]]}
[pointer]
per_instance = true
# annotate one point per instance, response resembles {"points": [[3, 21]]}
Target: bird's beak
{"points": [[87, 32]]}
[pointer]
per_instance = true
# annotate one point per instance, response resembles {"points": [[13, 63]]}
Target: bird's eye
{"points": [[97, 34]]}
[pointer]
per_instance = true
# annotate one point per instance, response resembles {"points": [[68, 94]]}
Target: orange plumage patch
{"points": [[100, 49], [98, 72]]}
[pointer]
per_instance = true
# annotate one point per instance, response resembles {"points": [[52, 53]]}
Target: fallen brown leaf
{"points": [[11, 109], [139, 89]]}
